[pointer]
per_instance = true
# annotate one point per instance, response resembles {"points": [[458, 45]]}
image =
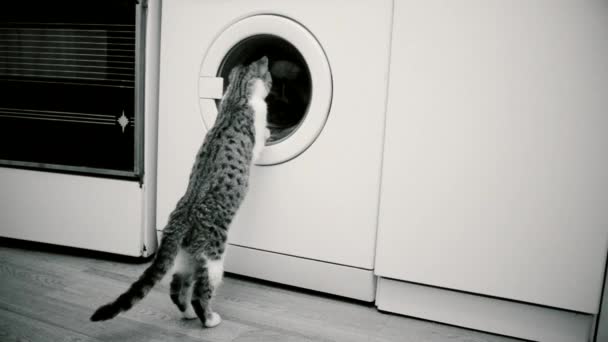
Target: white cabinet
{"points": [[496, 152]]}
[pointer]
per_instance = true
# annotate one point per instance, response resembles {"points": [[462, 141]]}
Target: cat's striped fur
{"points": [[197, 229]]}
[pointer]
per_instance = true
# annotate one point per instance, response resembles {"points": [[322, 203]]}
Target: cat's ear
{"points": [[263, 65]]}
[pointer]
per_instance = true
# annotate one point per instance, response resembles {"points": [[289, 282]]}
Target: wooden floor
{"points": [[48, 295]]}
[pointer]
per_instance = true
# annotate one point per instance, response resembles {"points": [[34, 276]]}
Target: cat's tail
{"points": [[169, 246]]}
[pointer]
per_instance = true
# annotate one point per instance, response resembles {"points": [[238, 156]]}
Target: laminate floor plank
{"points": [[18, 328], [55, 308], [50, 295]]}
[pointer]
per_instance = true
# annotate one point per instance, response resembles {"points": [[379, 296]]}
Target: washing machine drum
{"points": [[300, 98]]}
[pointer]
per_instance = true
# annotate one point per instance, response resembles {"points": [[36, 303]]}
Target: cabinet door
{"points": [[496, 153]]}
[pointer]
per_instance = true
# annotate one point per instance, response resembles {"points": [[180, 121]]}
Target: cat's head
{"points": [[248, 75]]}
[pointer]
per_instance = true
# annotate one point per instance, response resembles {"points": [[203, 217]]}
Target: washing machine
{"points": [[310, 216]]}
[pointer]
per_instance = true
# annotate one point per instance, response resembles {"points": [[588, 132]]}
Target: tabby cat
{"points": [[195, 236]]}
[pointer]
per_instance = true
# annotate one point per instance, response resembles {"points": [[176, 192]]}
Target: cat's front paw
{"points": [[213, 320], [267, 134]]}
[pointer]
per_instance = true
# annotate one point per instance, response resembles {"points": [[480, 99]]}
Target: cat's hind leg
{"points": [[181, 294], [181, 284], [205, 284]]}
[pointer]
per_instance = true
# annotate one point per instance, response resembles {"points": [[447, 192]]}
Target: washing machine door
{"points": [[300, 99]]}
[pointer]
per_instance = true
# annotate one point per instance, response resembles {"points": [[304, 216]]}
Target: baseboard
{"points": [[316, 275], [493, 315]]}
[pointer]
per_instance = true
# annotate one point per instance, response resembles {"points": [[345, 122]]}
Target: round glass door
{"points": [[291, 91], [300, 98]]}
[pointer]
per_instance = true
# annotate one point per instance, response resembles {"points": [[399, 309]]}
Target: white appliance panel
{"points": [[323, 204], [76, 211]]}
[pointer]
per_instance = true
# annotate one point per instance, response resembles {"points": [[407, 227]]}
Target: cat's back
{"points": [[224, 159]]}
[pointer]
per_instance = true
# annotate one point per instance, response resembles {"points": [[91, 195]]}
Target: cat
{"points": [[196, 233]]}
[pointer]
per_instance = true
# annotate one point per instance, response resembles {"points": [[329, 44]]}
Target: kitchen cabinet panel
{"points": [[496, 151]]}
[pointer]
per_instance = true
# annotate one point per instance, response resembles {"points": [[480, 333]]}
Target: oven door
{"points": [[71, 81]]}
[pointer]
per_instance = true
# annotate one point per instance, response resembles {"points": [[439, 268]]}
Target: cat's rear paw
{"points": [[213, 320]]}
